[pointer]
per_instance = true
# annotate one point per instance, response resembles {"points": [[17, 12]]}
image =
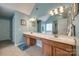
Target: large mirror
{"points": [[59, 20], [60, 23]]}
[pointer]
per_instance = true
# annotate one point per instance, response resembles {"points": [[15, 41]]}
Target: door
{"points": [[5, 29]]}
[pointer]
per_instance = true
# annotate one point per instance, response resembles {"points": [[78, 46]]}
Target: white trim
{"points": [[18, 44]]}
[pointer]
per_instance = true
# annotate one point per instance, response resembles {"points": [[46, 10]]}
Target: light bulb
{"points": [[56, 11], [61, 9], [51, 12]]}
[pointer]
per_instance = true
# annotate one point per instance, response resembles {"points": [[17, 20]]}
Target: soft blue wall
{"points": [[51, 19], [18, 29]]}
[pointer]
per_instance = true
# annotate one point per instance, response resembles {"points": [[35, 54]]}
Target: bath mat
{"points": [[23, 46]]}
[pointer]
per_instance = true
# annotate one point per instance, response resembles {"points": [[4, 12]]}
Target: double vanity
{"points": [[51, 45]]}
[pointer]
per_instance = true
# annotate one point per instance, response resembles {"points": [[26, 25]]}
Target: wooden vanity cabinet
{"points": [[47, 48], [29, 40], [61, 52], [62, 49], [52, 48]]}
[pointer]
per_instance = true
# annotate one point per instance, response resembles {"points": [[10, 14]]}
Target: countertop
{"points": [[59, 38]]}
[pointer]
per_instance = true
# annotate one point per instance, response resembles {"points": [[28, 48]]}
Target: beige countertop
{"points": [[60, 38]]}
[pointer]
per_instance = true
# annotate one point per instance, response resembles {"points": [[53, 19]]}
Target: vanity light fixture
{"points": [[59, 11], [33, 19]]}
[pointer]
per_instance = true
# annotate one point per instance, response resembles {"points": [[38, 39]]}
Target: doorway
{"points": [[5, 29]]}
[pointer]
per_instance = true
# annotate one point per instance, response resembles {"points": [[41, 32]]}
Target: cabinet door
{"points": [[47, 49], [61, 52], [29, 41]]}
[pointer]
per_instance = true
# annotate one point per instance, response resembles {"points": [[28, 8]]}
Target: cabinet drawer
{"points": [[60, 52], [45, 41], [63, 46]]}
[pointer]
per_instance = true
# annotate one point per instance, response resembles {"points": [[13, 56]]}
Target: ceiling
{"points": [[6, 13], [39, 10], [7, 9]]}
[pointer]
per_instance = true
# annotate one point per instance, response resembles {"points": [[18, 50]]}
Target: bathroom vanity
{"points": [[51, 45]]}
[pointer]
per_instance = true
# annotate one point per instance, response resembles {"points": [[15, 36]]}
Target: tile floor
{"points": [[8, 49]]}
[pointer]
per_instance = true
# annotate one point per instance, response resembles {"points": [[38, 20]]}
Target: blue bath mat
{"points": [[23, 46]]}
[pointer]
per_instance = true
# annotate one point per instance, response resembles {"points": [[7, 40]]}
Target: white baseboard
{"points": [[18, 44]]}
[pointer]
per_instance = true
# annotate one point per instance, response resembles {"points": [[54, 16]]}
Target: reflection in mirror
{"points": [[55, 27], [59, 23], [49, 28]]}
